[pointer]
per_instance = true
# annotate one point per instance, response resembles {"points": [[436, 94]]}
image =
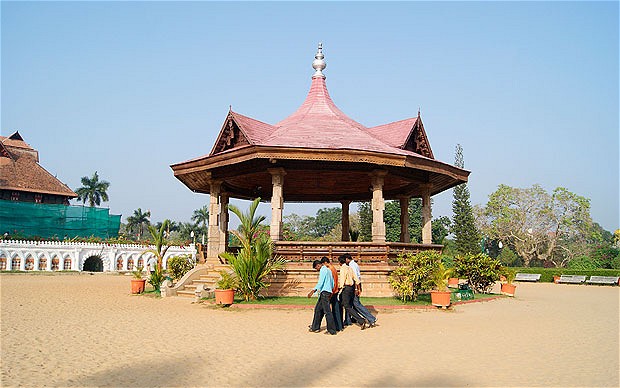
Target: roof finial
{"points": [[418, 111], [319, 64]]}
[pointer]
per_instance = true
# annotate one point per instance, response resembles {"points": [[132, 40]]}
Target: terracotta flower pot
{"points": [[508, 289], [137, 286], [440, 298], [556, 279], [225, 297], [453, 282]]}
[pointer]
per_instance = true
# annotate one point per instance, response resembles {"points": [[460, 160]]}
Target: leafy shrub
{"points": [[156, 279], [414, 274], [227, 281], [584, 263], [508, 257], [480, 270], [179, 266]]}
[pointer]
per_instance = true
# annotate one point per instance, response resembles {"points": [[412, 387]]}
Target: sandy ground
{"points": [[87, 330]]}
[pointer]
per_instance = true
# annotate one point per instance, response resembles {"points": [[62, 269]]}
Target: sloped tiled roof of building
{"points": [[20, 169]]}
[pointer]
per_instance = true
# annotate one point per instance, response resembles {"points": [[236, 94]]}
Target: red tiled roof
{"points": [[20, 171], [394, 134], [318, 123]]}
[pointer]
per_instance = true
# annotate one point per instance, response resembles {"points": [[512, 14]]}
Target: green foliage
{"points": [[480, 270], [440, 229], [508, 257], [354, 234], [584, 263], [156, 279], [441, 276], [414, 274], [179, 266], [137, 221], [93, 190], [365, 214], [227, 281], [254, 261], [326, 219], [509, 273], [466, 235], [137, 273]]}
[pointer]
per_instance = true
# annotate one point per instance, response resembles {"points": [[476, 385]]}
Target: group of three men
{"points": [[338, 291]]}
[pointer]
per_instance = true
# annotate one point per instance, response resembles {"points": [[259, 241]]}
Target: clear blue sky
{"points": [[529, 89]]}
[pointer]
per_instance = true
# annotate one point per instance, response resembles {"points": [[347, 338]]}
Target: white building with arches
{"points": [[79, 256]]}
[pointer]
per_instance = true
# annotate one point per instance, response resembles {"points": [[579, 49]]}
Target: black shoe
{"points": [[331, 332], [364, 325], [313, 331]]}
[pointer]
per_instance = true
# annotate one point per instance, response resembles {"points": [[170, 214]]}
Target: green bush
{"points": [[480, 270], [414, 274], [156, 279], [548, 273], [179, 266], [584, 263], [508, 258]]}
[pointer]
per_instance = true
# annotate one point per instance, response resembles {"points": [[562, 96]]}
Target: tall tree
{"points": [[138, 220], [466, 235], [326, 219], [551, 228], [201, 216], [93, 190]]}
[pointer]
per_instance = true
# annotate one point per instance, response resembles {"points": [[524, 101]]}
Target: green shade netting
{"points": [[29, 219]]}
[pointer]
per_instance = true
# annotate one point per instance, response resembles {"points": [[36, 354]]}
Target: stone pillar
{"points": [[378, 205], [213, 243], [345, 220], [223, 222], [404, 219], [277, 202], [427, 230], [48, 263]]}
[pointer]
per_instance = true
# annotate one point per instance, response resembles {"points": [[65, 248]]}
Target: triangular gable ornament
{"points": [[231, 136], [418, 141]]}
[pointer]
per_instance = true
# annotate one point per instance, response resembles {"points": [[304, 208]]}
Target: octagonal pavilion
{"points": [[319, 154]]}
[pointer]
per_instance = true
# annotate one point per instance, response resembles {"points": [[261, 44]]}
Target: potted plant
{"points": [[453, 282], [137, 283], [440, 296], [508, 288], [225, 288]]}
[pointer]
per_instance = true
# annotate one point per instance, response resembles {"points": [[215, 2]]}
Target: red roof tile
{"points": [[394, 134]]}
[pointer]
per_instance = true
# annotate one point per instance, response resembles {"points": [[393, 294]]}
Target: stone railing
{"points": [[365, 252]]}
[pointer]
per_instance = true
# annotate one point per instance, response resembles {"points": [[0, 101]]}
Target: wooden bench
{"points": [[527, 277], [611, 280], [574, 279]]}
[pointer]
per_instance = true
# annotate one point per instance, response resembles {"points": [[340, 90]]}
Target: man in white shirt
{"points": [[357, 305]]}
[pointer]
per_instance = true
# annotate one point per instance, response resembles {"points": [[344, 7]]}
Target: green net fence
{"points": [[27, 219]]}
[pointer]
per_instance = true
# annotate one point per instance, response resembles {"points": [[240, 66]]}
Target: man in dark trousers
{"points": [[324, 287], [333, 302]]}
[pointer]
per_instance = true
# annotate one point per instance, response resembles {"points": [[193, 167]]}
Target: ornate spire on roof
{"points": [[319, 64]]}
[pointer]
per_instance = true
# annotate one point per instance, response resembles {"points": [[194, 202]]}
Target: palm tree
{"points": [[160, 247], [138, 220], [254, 261], [201, 216], [93, 190]]}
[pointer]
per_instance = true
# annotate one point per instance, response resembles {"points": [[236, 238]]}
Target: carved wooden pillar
{"points": [[213, 243], [277, 202], [345, 220], [223, 231], [404, 219], [427, 230], [378, 205]]}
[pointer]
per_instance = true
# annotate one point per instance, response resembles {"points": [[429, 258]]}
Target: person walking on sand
{"points": [[349, 283], [151, 264], [333, 301], [324, 287], [357, 304]]}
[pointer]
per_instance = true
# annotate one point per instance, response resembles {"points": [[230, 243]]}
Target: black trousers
{"points": [[322, 308], [348, 292]]}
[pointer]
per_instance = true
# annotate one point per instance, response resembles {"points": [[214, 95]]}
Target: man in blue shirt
{"points": [[324, 287]]}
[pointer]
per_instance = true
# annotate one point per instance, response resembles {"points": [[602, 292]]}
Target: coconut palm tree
{"points": [[93, 190], [160, 247], [254, 261], [138, 220], [201, 216]]}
